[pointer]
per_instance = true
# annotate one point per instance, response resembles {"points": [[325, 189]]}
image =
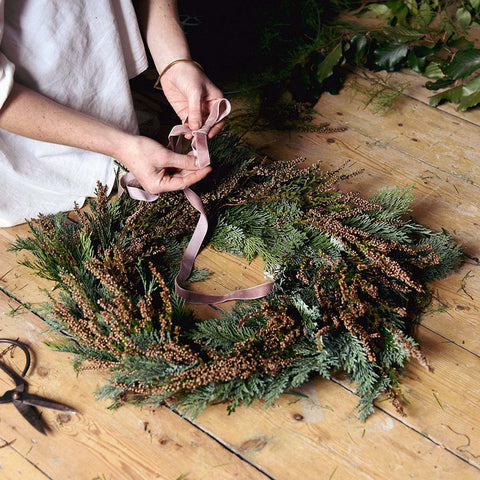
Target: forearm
{"points": [[30, 114], [186, 87], [163, 33], [158, 169]]}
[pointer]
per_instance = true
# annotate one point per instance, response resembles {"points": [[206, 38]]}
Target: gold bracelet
{"points": [[170, 65]]}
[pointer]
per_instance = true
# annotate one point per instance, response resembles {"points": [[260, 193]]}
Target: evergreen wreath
{"points": [[350, 278]]}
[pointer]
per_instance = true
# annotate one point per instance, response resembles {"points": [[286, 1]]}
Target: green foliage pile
{"points": [[350, 278], [283, 56], [426, 36]]}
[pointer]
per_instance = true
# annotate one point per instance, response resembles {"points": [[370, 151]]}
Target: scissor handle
{"points": [[24, 348]]}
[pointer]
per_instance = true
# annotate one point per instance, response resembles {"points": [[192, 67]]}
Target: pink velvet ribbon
{"points": [[220, 109]]}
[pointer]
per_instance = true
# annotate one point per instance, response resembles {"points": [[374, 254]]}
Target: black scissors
{"points": [[26, 402]]}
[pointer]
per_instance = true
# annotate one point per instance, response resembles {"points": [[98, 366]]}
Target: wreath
{"points": [[350, 279]]}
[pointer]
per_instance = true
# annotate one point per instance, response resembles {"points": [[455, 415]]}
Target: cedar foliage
{"points": [[350, 278]]}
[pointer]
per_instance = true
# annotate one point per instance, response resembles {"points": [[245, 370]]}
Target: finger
{"points": [[194, 177], [178, 161], [216, 129], [182, 180], [195, 120]]}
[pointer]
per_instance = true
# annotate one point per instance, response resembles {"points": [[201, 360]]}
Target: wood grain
{"points": [[321, 437]]}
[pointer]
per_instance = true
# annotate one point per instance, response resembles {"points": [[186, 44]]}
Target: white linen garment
{"points": [[80, 53]]}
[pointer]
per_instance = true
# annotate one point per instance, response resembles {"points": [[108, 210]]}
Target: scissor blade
{"points": [[19, 382], [36, 401], [30, 415]]}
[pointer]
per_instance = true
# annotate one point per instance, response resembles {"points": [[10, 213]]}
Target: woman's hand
{"points": [[157, 168], [186, 87], [191, 94]]}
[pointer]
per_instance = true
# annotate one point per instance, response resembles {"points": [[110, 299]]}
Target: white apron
{"points": [[80, 53]]}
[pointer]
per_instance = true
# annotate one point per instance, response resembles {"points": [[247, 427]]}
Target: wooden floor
{"points": [[319, 436]]}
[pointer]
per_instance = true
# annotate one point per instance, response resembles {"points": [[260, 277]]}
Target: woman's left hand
{"points": [[191, 94]]}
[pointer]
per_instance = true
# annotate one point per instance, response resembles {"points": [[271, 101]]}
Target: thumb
{"points": [[195, 120], [178, 161]]}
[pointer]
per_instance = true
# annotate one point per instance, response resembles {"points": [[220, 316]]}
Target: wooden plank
{"points": [[454, 311], [446, 143], [123, 444], [234, 272], [14, 466], [16, 279], [245, 447], [321, 437], [414, 86], [229, 272]]}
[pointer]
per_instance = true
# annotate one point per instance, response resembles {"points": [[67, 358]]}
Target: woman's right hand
{"points": [[157, 168]]}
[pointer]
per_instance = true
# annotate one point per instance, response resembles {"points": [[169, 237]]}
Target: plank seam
{"points": [[411, 427], [224, 444], [395, 148], [449, 340], [9, 445], [26, 305], [403, 422], [21, 302]]}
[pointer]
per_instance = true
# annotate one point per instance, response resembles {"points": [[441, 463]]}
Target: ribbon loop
{"points": [[220, 109], [129, 183]]}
